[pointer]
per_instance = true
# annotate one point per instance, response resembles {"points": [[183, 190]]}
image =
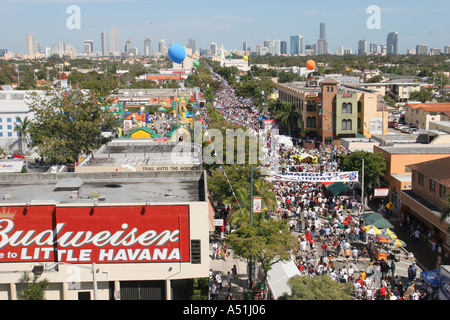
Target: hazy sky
{"points": [[229, 22]]}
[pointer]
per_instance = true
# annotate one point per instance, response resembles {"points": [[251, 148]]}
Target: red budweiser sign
{"points": [[101, 234]]}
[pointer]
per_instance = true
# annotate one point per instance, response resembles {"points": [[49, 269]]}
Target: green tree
{"points": [[421, 95], [446, 212], [68, 123], [265, 241], [317, 288], [22, 129], [374, 165], [35, 290], [285, 113]]}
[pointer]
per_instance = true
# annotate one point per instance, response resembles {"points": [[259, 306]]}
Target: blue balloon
{"points": [[177, 53]]}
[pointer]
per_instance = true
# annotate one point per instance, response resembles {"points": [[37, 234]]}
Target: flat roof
{"points": [[145, 152], [107, 188], [419, 149]]}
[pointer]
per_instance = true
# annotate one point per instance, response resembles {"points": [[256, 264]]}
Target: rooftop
{"points": [[430, 106], [108, 188], [438, 170], [143, 152], [417, 149]]}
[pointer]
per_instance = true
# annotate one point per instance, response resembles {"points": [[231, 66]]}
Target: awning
{"points": [[278, 277], [377, 220], [338, 187]]}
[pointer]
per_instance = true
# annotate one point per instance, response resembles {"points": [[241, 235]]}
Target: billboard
{"points": [[98, 234], [351, 176]]}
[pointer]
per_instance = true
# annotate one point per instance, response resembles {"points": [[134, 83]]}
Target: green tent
{"points": [[161, 109], [377, 220], [338, 187]]}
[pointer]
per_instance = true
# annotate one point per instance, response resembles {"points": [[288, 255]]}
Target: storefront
{"points": [[104, 249]]}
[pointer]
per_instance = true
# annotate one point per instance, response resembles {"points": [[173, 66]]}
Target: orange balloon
{"points": [[310, 64]]}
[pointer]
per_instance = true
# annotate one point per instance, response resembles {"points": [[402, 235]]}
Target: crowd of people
{"points": [[329, 226]]}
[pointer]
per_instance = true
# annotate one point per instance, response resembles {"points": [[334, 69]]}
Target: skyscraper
{"points": [[105, 50], [30, 44], [162, 47], [296, 45], [362, 46], [393, 43], [213, 48], [148, 51], [283, 47], [128, 46], [88, 46], [322, 44], [114, 41], [191, 43], [421, 49], [322, 30]]}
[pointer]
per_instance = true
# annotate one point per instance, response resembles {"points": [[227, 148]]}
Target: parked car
{"points": [[399, 127], [18, 155], [414, 130], [392, 124], [406, 129]]}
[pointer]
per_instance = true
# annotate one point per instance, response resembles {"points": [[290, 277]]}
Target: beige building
{"points": [[344, 110], [420, 114], [144, 234]]}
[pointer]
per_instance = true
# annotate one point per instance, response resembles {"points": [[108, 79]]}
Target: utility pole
{"points": [[362, 188], [250, 264]]}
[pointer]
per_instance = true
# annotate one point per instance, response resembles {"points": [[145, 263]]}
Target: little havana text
{"points": [[104, 255]]}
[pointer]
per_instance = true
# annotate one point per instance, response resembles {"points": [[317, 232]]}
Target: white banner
{"points": [[350, 176], [257, 205]]}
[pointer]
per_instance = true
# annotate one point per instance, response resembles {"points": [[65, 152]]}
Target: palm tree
{"points": [[285, 113], [22, 128], [262, 190]]}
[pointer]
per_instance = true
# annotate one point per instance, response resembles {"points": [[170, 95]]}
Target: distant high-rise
{"points": [[422, 49], [213, 48], [393, 43], [322, 44], [447, 50], [148, 51], [30, 44], [296, 45], [114, 40], [283, 47], [191, 43], [277, 46], [362, 47], [128, 46], [105, 47], [162, 47], [322, 30], [88, 46], [244, 46]]}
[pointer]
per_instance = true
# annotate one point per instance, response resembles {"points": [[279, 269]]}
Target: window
{"points": [[346, 108], [8, 119], [346, 124], [359, 123], [432, 185], [9, 134], [311, 122], [9, 127], [1, 134], [359, 106], [311, 106], [420, 180], [442, 190]]}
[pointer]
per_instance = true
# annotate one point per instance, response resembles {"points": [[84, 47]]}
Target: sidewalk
{"points": [[239, 285]]}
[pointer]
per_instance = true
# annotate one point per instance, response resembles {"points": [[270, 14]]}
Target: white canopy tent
{"points": [[278, 277]]}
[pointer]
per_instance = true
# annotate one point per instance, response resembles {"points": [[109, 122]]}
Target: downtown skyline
{"points": [[230, 24]]}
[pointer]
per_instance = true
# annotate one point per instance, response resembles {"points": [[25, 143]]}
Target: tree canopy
{"points": [[374, 165], [68, 123], [317, 288]]}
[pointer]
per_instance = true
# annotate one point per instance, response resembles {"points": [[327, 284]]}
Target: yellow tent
{"points": [[372, 230]]}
